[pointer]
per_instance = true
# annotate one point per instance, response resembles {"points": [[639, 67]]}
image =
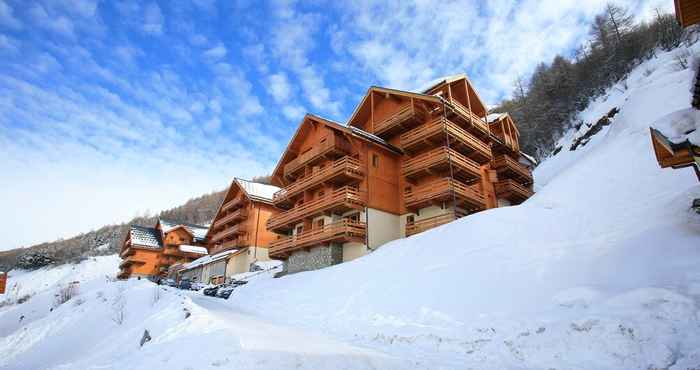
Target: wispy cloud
{"points": [[153, 19], [7, 17]]}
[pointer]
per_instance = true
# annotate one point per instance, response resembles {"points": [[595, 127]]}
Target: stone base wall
{"points": [[314, 259]]}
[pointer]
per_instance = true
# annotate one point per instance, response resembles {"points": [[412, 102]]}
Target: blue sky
{"points": [[114, 109]]}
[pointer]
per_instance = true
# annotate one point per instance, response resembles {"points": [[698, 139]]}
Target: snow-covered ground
{"points": [[599, 270]]}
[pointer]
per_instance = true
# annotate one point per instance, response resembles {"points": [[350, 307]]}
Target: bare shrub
{"points": [[119, 306], [66, 293], [682, 59]]}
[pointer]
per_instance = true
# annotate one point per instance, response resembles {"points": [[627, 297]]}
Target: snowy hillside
{"points": [[599, 270]]}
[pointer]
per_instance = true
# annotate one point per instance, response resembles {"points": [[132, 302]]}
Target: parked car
{"points": [[169, 282], [225, 290], [197, 286], [211, 291], [185, 284]]}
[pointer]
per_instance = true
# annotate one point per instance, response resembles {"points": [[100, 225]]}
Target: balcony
{"points": [[431, 222], [132, 260], [330, 146], [228, 232], [338, 232], [444, 190], [240, 242], [406, 117], [439, 160], [509, 168], [341, 171], [502, 142], [511, 190], [237, 215], [342, 199], [128, 251], [477, 125], [435, 133], [233, 203]]}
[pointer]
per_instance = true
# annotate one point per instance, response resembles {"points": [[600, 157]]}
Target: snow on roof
{"points": [[529, 158], [258, 191], [193, 249], [148, 237], [446, 79], [680, 126], [493, 117], [199, 231], [208, 259]]}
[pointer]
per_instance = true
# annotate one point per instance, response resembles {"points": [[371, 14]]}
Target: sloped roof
{"points": [[147, 237], [440, 80], [208, 259], [493, 117], [359, 133], [199, 232], [193, 249], [257, 191]]}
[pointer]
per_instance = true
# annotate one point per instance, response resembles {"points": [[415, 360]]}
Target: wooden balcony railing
{"points": [[512, 191], [233, 203], [347, 197], [228, 232], [433, 133], [442, 190], [344, 230], [331, 145], [405, 117], [431, 222], [507, 167], [132, 260], [479, 125], [127, 251], [439, 159], [239, 214], [347, 167], [239, 242]]}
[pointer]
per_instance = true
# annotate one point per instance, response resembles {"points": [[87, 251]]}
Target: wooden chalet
{"points": [[680, 154], [150, 251], [3, 282], [405, 162], [687, 12], [239, 225]]}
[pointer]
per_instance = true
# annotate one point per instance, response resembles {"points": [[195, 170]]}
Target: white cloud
{"points": [[215, 53], [279, 87], [293, 112], [153, 19], [8, 44], [55, 23], [7, 17], [198, 40]]}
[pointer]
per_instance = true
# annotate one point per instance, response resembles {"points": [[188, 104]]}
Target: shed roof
{"points": [[256, 190], [199, 232]]}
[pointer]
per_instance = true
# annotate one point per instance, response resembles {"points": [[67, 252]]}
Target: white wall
{"points": [[382, 227]]}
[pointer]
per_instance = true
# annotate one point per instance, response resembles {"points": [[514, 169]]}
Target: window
{"points": [[407, 189], [410, 219], [321, 193], [375, 160], [320, 223], [355, 217], [300, 229]]}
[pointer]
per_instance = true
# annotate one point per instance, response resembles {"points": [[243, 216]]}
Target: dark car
{"points": [[185, 284], [225, 290], [211, 291]]}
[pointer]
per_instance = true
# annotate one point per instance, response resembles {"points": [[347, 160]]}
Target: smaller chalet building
{"points": [[150, 251], [237, 237]]}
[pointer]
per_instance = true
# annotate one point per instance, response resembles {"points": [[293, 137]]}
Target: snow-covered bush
{"points": [[34, 260]]}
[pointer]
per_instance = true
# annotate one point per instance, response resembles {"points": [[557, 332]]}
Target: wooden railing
{"points": [[511, 190], [403, 114], [478, 122], [239, 214], [332, 144], [341, 230], [346, 165], [439, 156], [505, 163], [126, 252], [438, 126], [229, 231], [235, 202], [132, 259], [241, 241], [347, 195], [441, 190], [431, 222]]}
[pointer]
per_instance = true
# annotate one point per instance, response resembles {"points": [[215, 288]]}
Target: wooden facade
{"points": [[687, 12], [417, 160], [240, 222], [150, 251]]}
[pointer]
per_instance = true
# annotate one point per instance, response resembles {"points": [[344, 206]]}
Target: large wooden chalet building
{"points": [[404, 163], [150, 251], [237, 237]]}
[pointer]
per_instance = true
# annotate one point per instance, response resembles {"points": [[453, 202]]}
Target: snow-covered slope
{"points": [[599, 270]]}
